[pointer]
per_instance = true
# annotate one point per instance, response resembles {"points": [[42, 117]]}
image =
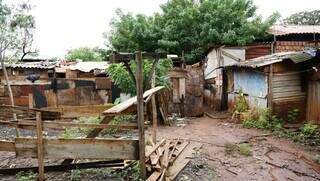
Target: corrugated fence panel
{"points": [[288, 95], [287, 86]]}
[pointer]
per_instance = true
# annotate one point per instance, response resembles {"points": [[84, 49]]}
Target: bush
{"points": [[241, 104], [308, 130], [26, 176], [262, 119]]}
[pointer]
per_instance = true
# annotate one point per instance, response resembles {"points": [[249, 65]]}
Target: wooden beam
{"points": [[130, 102], [155, 147], [62, 125], [139, 88], [75, 111], [7, 146], [154, 111], [40, 150], [83, 148], [63, 168]]}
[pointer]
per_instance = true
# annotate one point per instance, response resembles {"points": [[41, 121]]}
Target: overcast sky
{"points": [[65, 24]]}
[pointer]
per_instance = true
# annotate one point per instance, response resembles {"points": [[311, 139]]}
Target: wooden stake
{"points": [[40, 147], [139, 87], [154, 112]]}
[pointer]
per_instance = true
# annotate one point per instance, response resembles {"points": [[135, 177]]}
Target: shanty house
{"points": [[286, 38], [281, 81]]}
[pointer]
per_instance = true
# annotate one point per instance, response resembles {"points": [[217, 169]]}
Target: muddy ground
{"points": [[270, 158]]}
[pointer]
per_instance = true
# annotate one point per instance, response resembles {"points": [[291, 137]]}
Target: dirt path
{"points": [[271, 159]]}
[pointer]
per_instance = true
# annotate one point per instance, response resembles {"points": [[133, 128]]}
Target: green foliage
{"points": [[26, 176], [293, 115], [304, 18], [80, 132], [189, 26], [122, 79], [263, 119], [17, 25], [242, 149], [120, 119], [241, 104], [308, 129], [88, 54], [132, 172], [75, 175]]}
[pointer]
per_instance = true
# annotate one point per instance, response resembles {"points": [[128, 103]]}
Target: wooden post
{"points": [[139, 88], [154, 111], [30, 101], [270, 93], [40, 147]]}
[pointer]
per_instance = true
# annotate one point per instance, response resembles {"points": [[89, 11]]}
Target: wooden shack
{"points": [[281, 82]]}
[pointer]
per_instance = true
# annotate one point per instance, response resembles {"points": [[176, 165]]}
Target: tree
{"points": [[13, 21], [189, 26], [88, 54], [304, 18], [121, 77]]}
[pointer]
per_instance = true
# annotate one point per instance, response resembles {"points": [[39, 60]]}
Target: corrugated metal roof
{"points": [[296, 57], [32, 65], [279, 30], [89, 66]]}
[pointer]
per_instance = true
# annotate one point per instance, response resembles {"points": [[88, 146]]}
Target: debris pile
{"points": [[167, 158]]}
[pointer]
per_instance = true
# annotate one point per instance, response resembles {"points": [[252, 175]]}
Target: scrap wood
{"points": [[182, 160], [181, 147], [149, 152], [57, 168], [216, 117], [154, 176]]}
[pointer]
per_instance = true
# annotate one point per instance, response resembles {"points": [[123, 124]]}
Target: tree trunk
{"points": [[5, 73]]}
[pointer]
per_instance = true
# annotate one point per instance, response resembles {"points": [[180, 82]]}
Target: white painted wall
{"points": [[212, 62]]}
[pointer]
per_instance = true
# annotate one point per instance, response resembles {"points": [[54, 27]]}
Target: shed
{"points": [[281, 82]]}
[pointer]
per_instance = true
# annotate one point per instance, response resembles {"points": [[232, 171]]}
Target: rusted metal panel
{"points": [[287, 94], [79, 148], [313, 105]]}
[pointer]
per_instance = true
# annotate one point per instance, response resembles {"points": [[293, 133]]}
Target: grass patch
{"points": [[242, 149], [82, 132], [26, 176]]}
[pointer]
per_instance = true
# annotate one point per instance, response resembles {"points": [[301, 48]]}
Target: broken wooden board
{"points": [[154, 176], [182, 160], [130, 102], [79, 148], [80, 111]]}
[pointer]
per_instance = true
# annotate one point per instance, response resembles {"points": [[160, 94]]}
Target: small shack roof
{"points": [[82, 66], [279, 30], [33, 65], [296, 57]]}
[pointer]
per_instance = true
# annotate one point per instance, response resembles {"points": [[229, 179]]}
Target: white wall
{"points": [[212, 62]]}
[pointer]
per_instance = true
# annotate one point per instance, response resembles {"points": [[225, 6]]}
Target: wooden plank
{"points": [[73, 166], [62, 125], [79, 148], [140, 115], [7, 146], [149, 152], [182, 160], [130, 102], [154, 112], [77, 111], [40, 150], [154, 176]]}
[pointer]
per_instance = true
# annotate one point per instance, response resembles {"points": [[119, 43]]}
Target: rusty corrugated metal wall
{"points": [[313, 106], [288, 94]]}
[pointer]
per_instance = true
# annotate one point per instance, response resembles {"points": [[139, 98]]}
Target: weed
{"points": [[244, 149], [241, 104], [308, 129], [26, 176], [75, 175], [116, 121], [262, 119], [293, 115], [230, 148], [131, 173]]}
